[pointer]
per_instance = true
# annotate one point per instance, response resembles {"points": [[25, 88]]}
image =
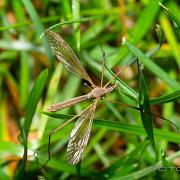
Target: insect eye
{"points": [[87, 84]]}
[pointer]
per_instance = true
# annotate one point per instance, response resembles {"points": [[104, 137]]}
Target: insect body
{"points": [[96, 93], [80, 133]]}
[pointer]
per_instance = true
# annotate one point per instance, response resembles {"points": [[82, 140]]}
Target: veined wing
{"points": [[66, 55], [80, 135]]}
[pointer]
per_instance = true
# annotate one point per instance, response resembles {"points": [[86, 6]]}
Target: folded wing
{"points": [[65, 54], [80, 135]]}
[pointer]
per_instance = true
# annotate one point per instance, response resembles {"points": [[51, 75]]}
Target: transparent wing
{"points": [[80, 135], [66, 55]]}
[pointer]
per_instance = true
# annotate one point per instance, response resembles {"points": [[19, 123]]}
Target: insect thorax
{"points": [[98, 92]]}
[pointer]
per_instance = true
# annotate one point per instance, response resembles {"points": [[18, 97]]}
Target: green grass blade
{"points": [[34, 16], [171, 38], [24, 78], [10, 148], [67, 8], [76, 26], [96, 29], [58, 25], [38, 25], [152, 66], [122, 127], [144, 104], [172, 17], [146, 171], [51, 92], [22, 164], [174, 96], [33, 99], [133, 157], [27, 23], [150, 12]]}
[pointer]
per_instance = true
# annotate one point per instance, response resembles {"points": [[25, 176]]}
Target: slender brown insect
{"points": [[80, 134]]}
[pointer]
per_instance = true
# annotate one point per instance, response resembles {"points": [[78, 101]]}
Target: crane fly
{"points": [[80, 133]]}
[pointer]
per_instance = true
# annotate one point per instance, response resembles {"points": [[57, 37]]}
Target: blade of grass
{"points": [[13, 89], [71, 22], [78, 170], [144, 104], [150, 12], [24, 78], [51, 92], [94, 157], [141, 173], [38, 25], [175, 21], [3, 122], [168, 31], [76, 26], [99, 135], [64, 167], [7, 147], [24, 58], [122, 127], [19, 13], [113, 11], [8, 56], [33, 99], [174, 96], [114, 110], [94, 30], [20, 45], [152, 66], [67, 92], [22, 164], [101, 154], [67, 8], [28, 23], [131, 158], [34, 16]]}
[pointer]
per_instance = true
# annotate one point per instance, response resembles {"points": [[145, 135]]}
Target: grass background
{"points": [[120, 145]]}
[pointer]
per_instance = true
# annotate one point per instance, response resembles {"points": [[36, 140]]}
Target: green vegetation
{"points": [[124, 142]]}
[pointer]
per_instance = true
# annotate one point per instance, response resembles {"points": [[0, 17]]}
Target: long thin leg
{"points": [[142, 110], [103, 56], [57, 129], [119, 72], [103, 61]]}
